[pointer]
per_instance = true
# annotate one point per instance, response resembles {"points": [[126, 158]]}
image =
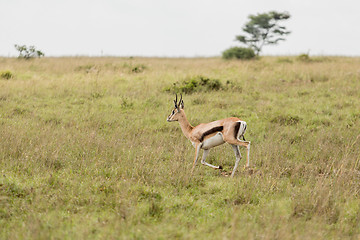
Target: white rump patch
{"points": [[242, 129]]}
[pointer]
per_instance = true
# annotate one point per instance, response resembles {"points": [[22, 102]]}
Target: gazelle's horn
{"points": [[180, 98], [175, 101]]}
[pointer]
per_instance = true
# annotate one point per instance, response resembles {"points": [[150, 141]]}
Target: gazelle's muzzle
{"points": [[169, 118]]}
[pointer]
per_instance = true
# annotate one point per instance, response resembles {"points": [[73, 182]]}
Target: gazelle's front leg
{"points": [[206, 152], [197, 150]]}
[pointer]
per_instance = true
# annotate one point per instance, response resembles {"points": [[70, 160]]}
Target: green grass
{"points": [[86, 152]]}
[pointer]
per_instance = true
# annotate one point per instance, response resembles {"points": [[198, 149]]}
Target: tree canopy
{"points": [[264, 29], [28, 52]]}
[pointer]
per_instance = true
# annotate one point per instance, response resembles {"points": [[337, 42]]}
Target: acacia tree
{"points": [[264, 29], [28, 52]]}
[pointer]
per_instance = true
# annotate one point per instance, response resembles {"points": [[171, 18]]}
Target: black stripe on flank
{"points": [[211, 131], [237, 127]]}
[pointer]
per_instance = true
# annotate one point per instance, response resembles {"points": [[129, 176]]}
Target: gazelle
{"points": [[208, 135]]}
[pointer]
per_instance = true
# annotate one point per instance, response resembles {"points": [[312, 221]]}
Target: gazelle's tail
{"points": [[242, 129]]}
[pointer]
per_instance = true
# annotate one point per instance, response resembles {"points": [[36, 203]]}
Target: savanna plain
{"points": [[86, 152]]}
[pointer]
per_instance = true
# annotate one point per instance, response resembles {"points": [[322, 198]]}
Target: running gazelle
{"points": [[208, 135]]}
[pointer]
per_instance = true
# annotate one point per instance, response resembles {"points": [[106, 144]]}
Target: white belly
{"points": [[214, 141]]}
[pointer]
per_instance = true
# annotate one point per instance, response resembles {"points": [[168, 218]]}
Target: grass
{"points": [[86, 152]]}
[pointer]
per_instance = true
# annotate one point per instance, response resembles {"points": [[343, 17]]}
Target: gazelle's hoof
{"points": [[220, 167]]}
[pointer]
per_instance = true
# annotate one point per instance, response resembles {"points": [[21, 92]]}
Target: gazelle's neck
{"points": [[185, 125]]}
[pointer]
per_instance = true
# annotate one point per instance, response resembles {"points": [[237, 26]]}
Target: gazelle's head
{"points": [[178, 111]]}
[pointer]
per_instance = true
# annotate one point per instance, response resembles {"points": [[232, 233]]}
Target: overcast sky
{"points": [[166, 28]]}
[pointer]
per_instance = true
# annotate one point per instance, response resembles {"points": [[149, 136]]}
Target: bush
{"points": [[28, 52], [138, 68], [304, 58], [6, 75], [195, 84], [238, 53]]}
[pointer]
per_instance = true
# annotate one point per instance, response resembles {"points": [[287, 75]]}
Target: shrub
{"points": [[304, 58], [28, 52], [196, 84], [6, 75], [238, 53], [138, 68]]}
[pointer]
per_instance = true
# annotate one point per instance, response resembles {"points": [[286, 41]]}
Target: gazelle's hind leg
{"points": [[248, 155], [239, 131], [246, 144], [206, 153], [238, 158]]}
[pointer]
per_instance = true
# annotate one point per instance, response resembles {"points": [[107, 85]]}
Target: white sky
{"points": [[185, 28]]}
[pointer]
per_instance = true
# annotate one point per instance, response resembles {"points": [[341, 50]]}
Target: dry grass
{"points": [[85, 151]]}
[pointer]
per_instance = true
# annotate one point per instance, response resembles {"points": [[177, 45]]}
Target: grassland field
{"points": [[86, 152]]}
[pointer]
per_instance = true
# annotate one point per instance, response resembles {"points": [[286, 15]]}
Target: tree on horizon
{"points": [[264, 29]]}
